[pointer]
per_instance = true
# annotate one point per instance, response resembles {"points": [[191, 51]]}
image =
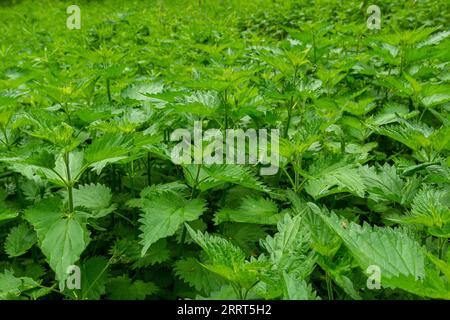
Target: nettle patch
{"points": [[300, 151]]}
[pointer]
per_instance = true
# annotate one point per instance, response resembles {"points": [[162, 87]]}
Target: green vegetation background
{"points": [[86, 177]]}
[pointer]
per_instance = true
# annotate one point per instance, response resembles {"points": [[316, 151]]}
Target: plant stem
{"points": [[314, 46], [288, 122], [183, 234], [113, 178], [19, 191], [98, 276], [108, 89], [69, 182], [329, 286], [223, 96], [149, 169], [133, 193], [195, 182], [441, 244]]}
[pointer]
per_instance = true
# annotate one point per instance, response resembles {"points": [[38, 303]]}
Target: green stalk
{"points": [[288, 122], [133, 193], [69, 183], [441, 244], [113, 178], [149, 170], [329, 286], [196, 182], [297, 166], [225, 103], [19, 191], [183, 234], [314, 47], [108, 89]]}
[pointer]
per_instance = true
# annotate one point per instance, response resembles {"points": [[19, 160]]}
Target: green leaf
{"points": [[59, 174], [413, 136], [9, 285], [109, 148], [430, 207], [12, 287], [288, 248], [8, 214], [44, 214], [20, 239], [94, 275], [64, 243], [332, 178], [193, 273], [245, 235], [442, 265], [400, 258], [227, 260], [251, 210], [384, 183], [157, 253], [163, 215], [391, 249], [235, 174], [297, 289], [324, 240], [62, 239], [95, 197], [123, 288]]}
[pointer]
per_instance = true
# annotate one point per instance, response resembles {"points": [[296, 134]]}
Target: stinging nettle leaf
{"points": [[20, 239], [61, 239], [251, 210], [95, 197], [163, 215]]}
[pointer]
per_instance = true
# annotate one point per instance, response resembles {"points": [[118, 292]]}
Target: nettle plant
{"points": [[93, 205]]}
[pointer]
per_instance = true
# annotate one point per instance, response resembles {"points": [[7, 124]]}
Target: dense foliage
{"points": [[86, 176]]}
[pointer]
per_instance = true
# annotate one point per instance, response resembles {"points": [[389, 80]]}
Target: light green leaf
{"points": [[164, 214], [329, 178], [288, 248], [401, 259], [109, 148], [63, 244], [95, 197], [297, 289], [252, 210], [62, 239], [7, 214], [12, 287]]}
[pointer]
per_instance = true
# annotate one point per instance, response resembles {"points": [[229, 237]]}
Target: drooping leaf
{"points": [[62, 239]]}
